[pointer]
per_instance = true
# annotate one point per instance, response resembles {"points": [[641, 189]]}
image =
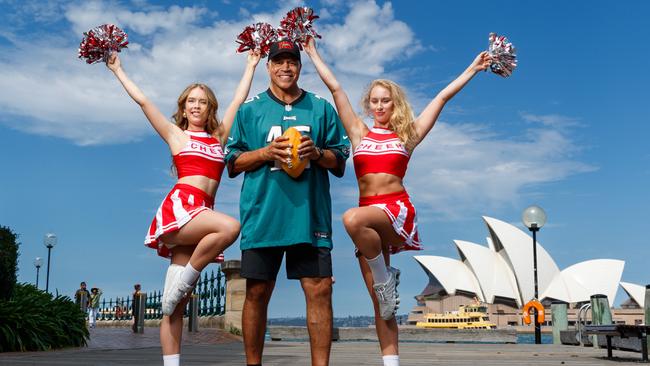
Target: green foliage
{"points": [[8, 262], [34, 320], [234, 330]]}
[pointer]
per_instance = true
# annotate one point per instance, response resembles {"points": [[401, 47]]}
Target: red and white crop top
{"points": [[202, 155], [380, 151]]}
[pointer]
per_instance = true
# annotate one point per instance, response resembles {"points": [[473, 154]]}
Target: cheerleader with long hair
{"points": [[186, 229], [385, 222]]}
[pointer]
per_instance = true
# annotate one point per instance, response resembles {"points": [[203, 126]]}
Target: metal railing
{"points": [[582, 321], [211, 291]]}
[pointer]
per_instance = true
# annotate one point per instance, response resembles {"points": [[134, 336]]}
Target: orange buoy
{"points": [[540, 311]]}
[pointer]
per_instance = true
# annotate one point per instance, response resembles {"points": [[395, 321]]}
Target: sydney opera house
{"points": [[501, 276]]}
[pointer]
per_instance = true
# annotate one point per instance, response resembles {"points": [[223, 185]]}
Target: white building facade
{"points": [[501, 275]]}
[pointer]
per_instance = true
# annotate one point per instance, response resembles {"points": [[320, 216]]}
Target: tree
{"points": [[30, 319], [8, 262]]}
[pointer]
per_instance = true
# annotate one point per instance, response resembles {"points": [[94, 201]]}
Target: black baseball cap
{"points": [[284, 46]]}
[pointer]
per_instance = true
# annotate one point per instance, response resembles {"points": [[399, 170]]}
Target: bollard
{"points": [[646, 309], [646, 305], [193, 314], [235, 294], [559, 319], [139, 306], [600, 313]]}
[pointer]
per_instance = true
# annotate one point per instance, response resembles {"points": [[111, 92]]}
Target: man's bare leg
{"points": [[318, 295], [258, 294]]}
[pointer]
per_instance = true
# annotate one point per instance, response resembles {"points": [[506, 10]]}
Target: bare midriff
{"points": [[205, 184], [374, 184]]}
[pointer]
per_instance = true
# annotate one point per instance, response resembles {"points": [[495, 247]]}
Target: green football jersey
{"points": [[275, 209]]}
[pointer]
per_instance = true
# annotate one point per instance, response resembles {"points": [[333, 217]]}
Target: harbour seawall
{"points": [[405, 334]]}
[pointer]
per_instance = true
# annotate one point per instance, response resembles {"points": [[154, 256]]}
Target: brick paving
{"points": [[123, 338], [118, 346]]}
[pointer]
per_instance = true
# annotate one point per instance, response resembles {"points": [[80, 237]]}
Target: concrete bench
{"points": [[622, 331]]}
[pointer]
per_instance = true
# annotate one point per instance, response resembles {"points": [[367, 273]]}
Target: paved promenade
{"points": [[118, 346]]}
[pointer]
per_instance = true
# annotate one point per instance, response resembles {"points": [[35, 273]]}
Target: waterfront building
{"points": [[501, 276]]}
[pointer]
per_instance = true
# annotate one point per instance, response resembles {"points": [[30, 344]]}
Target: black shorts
{"points": [[303, 260]]}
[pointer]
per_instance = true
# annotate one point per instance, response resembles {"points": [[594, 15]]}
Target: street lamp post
{"points": [[38, 262], [49, 241], [534, 218]]}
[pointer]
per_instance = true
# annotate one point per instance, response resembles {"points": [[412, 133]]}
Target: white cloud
{"points": [[87, 15], [551, 120], [20, 12], [331, 2], [85, 103], [458, 170], [369, 39], [43, 82], [469, 169]]}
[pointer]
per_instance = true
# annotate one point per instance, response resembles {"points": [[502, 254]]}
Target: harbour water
{"points": [[529, 338], [522, 338]]}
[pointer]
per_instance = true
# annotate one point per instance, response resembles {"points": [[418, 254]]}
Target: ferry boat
{"points": [[467, 317]]}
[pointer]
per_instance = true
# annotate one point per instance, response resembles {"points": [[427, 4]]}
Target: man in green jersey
{"points": [[280, 214]]}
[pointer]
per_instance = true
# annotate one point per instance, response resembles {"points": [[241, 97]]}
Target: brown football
{"points": [[295, 167]]}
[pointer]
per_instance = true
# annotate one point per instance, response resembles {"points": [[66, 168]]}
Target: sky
{"points": [[566, 132]]}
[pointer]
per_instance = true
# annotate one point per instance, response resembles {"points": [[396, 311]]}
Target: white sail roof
{"points": [[578, 282], [505, 269], [517, 249], [493, 273], [636, 292], [452, 274]]}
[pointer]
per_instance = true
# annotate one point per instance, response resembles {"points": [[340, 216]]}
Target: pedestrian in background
{"points": [[81, 297], [136, 307], [93, 306]]}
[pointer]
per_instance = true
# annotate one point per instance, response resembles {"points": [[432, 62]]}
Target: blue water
{"points": [[522, 338], [529, 338]]}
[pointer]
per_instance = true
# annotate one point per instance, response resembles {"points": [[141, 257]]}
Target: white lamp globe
{"points": [[50, 240], [534, 217]]}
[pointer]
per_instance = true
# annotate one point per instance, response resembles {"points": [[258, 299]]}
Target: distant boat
{"points": [[467, 317]]}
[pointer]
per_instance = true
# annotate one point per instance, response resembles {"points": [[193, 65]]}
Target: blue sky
{"points": [[567, 131]]}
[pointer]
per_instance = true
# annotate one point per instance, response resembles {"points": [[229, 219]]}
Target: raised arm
{"points": [[240, 93], [354, 126], [160, 123], [425, 121]]}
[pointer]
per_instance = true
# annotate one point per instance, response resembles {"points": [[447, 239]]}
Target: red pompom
{"points": [[100, 41], [503, 53], [297, 25], [258, 36]]}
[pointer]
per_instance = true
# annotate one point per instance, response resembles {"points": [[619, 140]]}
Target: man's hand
{"points": [[278, 150], [307, 150]]}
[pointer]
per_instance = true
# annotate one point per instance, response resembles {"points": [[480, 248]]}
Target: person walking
{"points": [[81, 297], [135, 306], [93, 306]]}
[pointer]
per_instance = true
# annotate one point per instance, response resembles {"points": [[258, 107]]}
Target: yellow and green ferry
{"points": [[467, 317]]}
